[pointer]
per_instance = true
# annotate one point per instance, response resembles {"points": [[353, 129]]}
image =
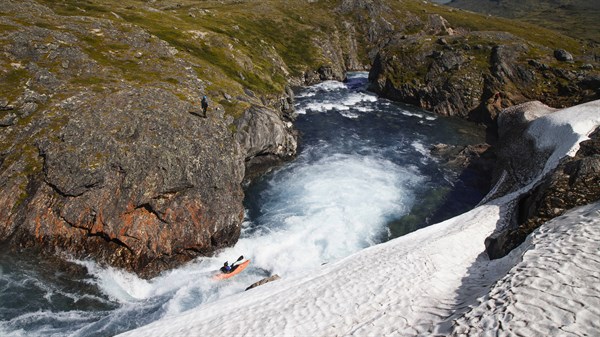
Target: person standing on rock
{"points": [[204, 104]]}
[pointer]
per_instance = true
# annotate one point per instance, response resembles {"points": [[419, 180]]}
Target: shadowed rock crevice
{"points": [[148, 208]]}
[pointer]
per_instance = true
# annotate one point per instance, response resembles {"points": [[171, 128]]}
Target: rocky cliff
{"points": [[100, 155], [575, 182], [105, 151], [457, 69]]}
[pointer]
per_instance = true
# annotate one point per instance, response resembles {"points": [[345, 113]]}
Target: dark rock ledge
{"points": [[575, 182]]}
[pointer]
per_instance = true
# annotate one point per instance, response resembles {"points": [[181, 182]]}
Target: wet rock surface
{"points": [[264, 281]]}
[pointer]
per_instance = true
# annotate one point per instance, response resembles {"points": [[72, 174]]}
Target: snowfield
{"points": [[437, 280]]}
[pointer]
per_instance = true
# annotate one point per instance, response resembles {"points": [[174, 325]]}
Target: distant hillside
{"points": [[576, 18]]}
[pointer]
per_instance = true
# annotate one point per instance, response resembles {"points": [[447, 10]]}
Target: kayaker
{"points": [[226, 269]]}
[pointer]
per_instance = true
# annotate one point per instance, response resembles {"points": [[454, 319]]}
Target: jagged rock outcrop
{"points": [[575, 182], [475, 75], [130, 183], [518, 159], [325, 73], [266, 139], [479, 158]]}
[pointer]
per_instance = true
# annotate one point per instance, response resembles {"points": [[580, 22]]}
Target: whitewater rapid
{"points": [[335, 199], [363, 167]]}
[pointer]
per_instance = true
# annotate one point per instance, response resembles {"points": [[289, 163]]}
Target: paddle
{"points": [[238, 260]]}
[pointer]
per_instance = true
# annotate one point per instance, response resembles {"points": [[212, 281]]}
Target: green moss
{"points": [[88, 80], [7, 28], [76, 7], [478, 22], [291, 42], [21, 199], [44, 25], [11, 83], [234, 108], [232, 128]]}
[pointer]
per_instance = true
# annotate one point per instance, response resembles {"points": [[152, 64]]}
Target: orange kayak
{"points": [[236, 270]]}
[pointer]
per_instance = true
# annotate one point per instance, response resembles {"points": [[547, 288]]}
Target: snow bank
{"points": [[420, 283], [553, 290], [568, 128]]}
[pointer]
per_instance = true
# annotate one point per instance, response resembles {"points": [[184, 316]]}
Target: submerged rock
{"points": [[263, 281]]}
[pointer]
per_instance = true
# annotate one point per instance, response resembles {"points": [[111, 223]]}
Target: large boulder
{"points": [[518, 159], [131, 179], [266, 139], [563, 55]]}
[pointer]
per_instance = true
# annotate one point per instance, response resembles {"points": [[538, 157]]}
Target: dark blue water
{"points": [[363, 175]]}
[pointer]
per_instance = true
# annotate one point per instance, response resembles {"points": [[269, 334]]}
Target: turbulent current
{"points": [[363, 176]]}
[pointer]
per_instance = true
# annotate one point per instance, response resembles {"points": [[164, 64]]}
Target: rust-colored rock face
{"points": [[103, 153], [137, 187]]}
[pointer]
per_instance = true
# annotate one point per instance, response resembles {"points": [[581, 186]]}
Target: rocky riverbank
{"points": [[476, 75], [105, 152]]}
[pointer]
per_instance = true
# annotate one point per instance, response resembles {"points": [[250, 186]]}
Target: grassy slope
{"points": [[575, 18], [236, 36], [478, 22], [255, 44]]}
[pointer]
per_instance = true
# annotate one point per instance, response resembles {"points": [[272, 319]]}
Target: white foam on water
{"points": [[118, 284], [314, 213], [323, 106], [327, 86], [420, 147], [358, 97], [348, 103], [75, 317], [327, 210], [349, 114], [418, 115]]}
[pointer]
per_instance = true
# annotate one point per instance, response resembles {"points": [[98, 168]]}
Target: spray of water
{"points": [[335, 199], [324, 206]]}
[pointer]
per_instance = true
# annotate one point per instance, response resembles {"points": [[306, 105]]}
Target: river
{"points": [[363, 175]]}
